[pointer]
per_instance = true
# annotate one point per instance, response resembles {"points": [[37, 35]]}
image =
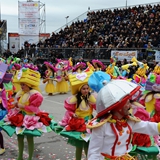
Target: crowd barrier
{"points": [[103, 54]]}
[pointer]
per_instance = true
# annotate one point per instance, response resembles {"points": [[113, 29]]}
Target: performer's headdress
{"points": [[29, 77], [96, 61], [78, 80], [114, 95], [81, 65]]}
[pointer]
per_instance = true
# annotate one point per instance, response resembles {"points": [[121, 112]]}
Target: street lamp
{"points": [[126, 4], [67, 19]]}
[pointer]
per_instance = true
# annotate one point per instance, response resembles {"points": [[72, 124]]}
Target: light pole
{"points": [[126, 4], [67, 20]]}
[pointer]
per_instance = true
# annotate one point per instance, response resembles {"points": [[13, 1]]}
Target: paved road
{"points": [[50, 146]]}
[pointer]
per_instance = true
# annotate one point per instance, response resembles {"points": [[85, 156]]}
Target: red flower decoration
{"points": [[156, 117], [76, 124], [44, 118], [17, 120], [141, 140]]}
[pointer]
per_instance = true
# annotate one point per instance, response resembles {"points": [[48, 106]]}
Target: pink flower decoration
{"points": [[142, 114], [11, 113], [142, 101], [31, 122], [157, 105]]}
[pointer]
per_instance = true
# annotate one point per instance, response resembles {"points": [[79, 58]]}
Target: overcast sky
{"points": [[57, 10]]}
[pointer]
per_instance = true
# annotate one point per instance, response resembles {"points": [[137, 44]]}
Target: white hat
{"points": [[114, 95]]}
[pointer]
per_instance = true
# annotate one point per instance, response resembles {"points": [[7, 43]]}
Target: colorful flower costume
{"points": [[79, 109], [26, 118], [49, 78], [75, 127], [61, 76]]}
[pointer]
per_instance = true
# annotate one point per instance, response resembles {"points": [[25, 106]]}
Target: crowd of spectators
{"points": [[103, 30], [134, 27]]}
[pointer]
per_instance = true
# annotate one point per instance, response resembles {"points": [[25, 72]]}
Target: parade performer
{"points": [[98, 65], [49, 78], [3, 100], [61, 76], [126, 70], [112, 69], [151, 95], [79, 109], [26, 119], [3, 112], [140, 75], [113, 126]]}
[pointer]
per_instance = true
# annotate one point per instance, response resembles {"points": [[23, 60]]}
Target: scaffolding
{"points": [[42, 9]]}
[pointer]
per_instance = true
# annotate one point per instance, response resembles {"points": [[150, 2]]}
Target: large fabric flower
{"points": [[17, 120], [31, 122], [141, 140], [44, 118], [76, 124], [13, 112]]}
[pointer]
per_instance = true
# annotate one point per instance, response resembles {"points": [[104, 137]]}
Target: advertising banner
{"points": [[157, 56], [120, 55], [28, 10], [13, 40], [29, 26]]}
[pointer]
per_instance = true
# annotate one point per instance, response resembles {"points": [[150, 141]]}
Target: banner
{"points": [[44, 36], [29, 26], [121, 55], [13, 40], [28, 10], [29, 39], [157, 56]]}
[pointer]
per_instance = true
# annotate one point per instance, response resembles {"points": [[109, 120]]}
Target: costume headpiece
{"points": [[17, 66], [98, 79], [78, 80], [94, 61], [125, 68], [27, 76], [31, 66], [114, 95], [62, 65], [81, 65], [50, 65], [153, 82]]}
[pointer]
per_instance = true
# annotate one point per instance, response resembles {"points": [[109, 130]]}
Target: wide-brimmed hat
{"points": [[94, 61], [81, 65], [114, 95], [50, 65]]}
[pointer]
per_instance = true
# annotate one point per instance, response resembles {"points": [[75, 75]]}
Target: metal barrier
{"points": [[102, 54]]}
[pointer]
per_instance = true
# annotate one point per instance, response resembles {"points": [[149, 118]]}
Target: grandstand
{"points": [[97, 33], [103, 30]]}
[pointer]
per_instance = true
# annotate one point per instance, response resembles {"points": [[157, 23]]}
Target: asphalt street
{"points": [[50, 146]]}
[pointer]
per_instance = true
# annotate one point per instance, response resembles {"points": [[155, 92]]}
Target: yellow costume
{"points": [[50, 88]]}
